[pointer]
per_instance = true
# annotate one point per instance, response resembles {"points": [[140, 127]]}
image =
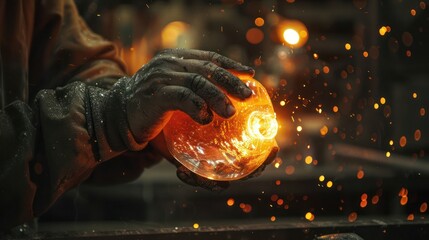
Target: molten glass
{"points": [[226, 149]]}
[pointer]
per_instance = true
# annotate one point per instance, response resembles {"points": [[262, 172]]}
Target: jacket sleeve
{"points": [[50, 145]]}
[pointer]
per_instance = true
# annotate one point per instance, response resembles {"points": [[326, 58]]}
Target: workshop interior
{"points": [[348, 83]]}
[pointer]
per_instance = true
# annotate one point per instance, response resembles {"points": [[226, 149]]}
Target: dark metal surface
{"points": [[398, 228]]}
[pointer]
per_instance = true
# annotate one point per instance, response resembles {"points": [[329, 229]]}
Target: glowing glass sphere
{"points": [[226, 149]]}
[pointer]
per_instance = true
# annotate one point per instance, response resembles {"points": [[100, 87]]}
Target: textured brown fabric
{"points": [[48, 142]]}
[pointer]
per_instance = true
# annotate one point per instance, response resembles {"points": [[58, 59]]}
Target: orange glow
{"points": [[404, 200], [403, 192], [348, 46], [309, 216], [375, 199], [408, 53], [254, 36], [388, 154], [172, 33], [293, 32], [226, 149], [403, 141], [363, 204], [291, 36], [280, 202], [335, 109], [273, 218], [196, 225], [321, 178], [360, 174], [352, 217], [324, 130], [247, 208], [365, 54], [329, 184], [376, 106], [290, 170], [423, 207], [259, 22], [326, 69], [417, 135], [308, 159], [382, 30], [413, 12], [230, 202], [422, 111], [382, 100], [274, 197], [364, 197], [414, 95], [410, 217]]}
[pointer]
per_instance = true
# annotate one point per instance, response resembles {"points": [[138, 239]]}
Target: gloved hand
{"points": [[136, 109]]}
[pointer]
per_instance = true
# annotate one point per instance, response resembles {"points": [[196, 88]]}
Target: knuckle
{"points": [[197, 82], [213, 55], [184, 95]]}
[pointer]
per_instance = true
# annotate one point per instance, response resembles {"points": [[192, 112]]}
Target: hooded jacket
{"points": [[48, 143]]}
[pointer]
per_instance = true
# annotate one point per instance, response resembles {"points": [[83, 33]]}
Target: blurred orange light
{"points": [[173, 33], [423, 207], [382, 31], [259, 22], [254, 36], [347, 46], [309, 216], [293, 32], [360, 174], [352, 217], [291, 36]]}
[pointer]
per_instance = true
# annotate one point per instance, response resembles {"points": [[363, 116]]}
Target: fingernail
{"points": [[246, 92], [230, 110], [248, 69]]}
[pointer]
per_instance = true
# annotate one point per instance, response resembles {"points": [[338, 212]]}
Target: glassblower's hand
{"points": [[135, 110], [186, 80]]}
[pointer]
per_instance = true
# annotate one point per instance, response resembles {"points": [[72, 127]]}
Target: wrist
{"points": [[109, 120]]}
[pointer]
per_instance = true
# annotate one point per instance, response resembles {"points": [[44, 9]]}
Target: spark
{"points": [[348, 46], [309, 216]]}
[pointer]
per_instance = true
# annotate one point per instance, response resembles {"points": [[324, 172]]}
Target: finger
{"points": [[213, 57], [217, 75], [190, 178], [272, 155], [214, 97], [184, 99], [268, 161]]}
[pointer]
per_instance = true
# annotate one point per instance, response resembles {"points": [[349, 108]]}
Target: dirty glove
{"points": [[136, 109]]}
